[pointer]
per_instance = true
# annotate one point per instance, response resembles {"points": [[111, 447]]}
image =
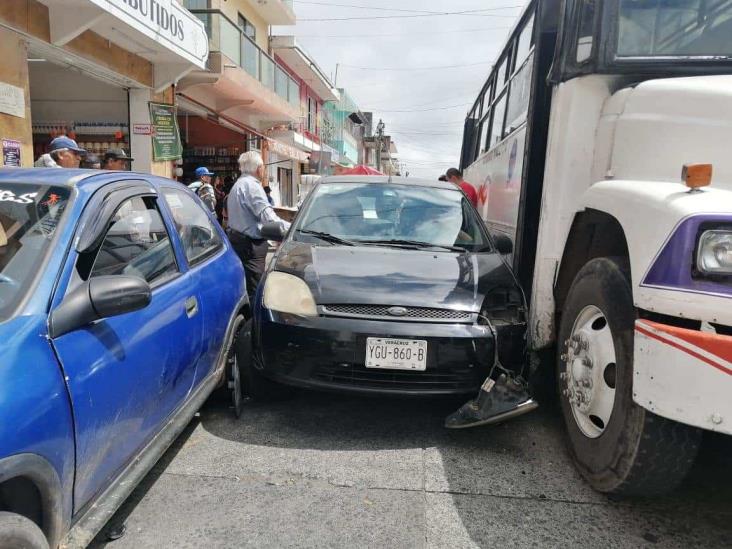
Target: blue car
{"points": [[120, 305]]}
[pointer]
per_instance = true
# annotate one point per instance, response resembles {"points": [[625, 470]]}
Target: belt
{"points": [[242, 236]]}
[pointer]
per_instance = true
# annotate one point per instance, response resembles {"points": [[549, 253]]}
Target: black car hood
{"points": [[393, 276]]}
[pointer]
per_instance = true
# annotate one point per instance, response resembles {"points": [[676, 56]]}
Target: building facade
{"points": [[92, 69], [242, 94]]}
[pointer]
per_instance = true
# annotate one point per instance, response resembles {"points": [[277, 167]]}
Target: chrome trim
{"points": [[469, 318]]}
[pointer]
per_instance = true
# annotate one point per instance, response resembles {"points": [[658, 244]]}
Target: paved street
{"points": [[334, 471]]}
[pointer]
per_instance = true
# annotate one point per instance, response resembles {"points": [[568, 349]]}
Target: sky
{"points": [[420, 72]]}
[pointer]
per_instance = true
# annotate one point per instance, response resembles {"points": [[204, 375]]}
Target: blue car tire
{"points": [[254, 384], [19, 532]]}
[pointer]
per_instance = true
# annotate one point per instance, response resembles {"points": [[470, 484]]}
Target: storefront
{"points": [[94, 70], [284, 169]]}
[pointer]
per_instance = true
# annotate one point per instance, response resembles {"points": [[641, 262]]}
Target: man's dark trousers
{"points": [[253, 254]]}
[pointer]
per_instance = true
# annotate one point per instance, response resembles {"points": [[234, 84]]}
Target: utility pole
{"points": [[379, 140]]}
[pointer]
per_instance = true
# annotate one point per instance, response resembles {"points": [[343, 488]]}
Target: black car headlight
{"points": [[286, 293], [714, 253]]}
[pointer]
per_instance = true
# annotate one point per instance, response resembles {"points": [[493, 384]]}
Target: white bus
{"points": [[601, 144]]}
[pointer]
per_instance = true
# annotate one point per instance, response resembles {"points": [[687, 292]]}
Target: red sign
{"points": [[143, 129]]}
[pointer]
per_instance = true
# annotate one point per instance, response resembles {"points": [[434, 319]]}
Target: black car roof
{"points": [[411, 181]]}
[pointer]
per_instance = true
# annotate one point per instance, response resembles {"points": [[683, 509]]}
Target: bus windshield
{"points": [[675, 28]]}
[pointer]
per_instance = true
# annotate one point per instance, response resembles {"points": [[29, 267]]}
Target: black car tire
{"points": [[254, 384], [638, 453], [19, 532]]}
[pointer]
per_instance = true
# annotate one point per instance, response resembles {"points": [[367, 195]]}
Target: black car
{"points": [[385, 286]]}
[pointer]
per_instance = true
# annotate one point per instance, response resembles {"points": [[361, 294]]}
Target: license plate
{"points": [[396, 354]]}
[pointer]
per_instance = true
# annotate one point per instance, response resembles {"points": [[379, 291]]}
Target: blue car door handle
{"points": [[191, 306]]}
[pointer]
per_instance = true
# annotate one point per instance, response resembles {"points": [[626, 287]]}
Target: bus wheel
{"points": [[619, 447]]}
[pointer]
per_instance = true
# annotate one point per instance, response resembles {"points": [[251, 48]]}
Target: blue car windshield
{"points": [[393, 214], [29, 215]]}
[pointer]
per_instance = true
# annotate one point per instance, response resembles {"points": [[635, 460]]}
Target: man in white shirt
{"points": [[248, 210]]}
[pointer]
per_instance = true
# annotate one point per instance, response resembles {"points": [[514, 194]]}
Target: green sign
{"points": [[166, 137]]}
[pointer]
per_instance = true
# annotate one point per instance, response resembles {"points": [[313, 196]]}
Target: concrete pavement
{"points": [[334, 471]]}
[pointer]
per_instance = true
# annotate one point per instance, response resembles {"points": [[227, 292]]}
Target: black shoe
{"points": [[496, 402]]}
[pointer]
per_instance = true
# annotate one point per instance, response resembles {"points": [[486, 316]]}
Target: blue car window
{"points": [[136, 244], [196, 229], [29, 215]]}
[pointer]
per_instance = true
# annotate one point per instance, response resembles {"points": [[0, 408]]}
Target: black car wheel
{"points": [[254, 384], [618, 446], [19, 532]]}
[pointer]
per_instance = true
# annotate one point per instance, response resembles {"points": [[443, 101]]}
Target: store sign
{"points": [[283, 149], [11, 153], [166, 136], [166, 22], [12, 100]]}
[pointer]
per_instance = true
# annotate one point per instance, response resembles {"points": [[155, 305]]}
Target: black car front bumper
{"points": [[329, 353]]}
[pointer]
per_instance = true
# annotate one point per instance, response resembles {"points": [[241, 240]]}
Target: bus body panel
{"points": [[573, 123], [497, 177], [684, 375]]}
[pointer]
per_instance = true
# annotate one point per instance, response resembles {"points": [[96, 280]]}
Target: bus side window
{"points": [[585, 30]]}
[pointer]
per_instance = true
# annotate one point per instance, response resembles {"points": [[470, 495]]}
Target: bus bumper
{"points": [[684, 375]]}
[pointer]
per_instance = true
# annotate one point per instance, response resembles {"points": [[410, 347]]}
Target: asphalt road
{"points": [[335, 471]]}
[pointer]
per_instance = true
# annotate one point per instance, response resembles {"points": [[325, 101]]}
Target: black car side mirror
{"points": [[503, 243], [97, 298], [273, 231]]}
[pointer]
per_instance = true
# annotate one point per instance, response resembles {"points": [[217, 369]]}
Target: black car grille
{"points": [[412, 313], [463, 379]]}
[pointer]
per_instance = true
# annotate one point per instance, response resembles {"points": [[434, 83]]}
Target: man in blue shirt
{"points": [[248, 210]]}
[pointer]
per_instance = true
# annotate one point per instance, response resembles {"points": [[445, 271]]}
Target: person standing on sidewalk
{"points": [[116, 159], [248, 210], [65, 152], [203, 188], [455, 177]]}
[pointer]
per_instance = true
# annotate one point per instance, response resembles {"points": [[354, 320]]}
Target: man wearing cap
{"points": [[65, 152], [116, 159], [203, 188]]}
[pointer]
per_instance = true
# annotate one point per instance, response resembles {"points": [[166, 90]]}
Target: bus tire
{"points": [[619, 447], [19, 532]]}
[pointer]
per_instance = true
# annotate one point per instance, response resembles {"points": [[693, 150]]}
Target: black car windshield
{"points": [[392, 215], [29, 215], [662, 28]]}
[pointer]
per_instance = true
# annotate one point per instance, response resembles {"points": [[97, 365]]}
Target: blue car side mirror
{"points": [[97, 298]]}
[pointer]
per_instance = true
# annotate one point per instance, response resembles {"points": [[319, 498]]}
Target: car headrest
{"points": [[3, 236]]}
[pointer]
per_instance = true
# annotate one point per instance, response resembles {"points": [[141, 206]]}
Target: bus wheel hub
{"points": [[590, 359]]}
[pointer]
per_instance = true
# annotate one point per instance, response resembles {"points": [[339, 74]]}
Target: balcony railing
{"points": [[226, 37]]}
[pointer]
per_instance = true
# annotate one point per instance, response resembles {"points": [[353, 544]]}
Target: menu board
{"points": [[165, 136]]}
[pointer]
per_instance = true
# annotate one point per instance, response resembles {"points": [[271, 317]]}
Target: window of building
{"points": [[197, 4], [136, 244], [197, 233], [247, 27], [312, 115]]}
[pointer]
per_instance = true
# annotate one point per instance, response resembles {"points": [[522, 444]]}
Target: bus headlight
{"points": [[286, 293], [714, 255]]}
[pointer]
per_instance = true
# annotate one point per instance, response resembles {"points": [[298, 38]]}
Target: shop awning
{"points": [[161, 31]]}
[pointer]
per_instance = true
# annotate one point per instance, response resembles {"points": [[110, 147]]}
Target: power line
{"points": [[422, 110], [415, 68], [454, 31], [379, 8], [473, 13]]}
